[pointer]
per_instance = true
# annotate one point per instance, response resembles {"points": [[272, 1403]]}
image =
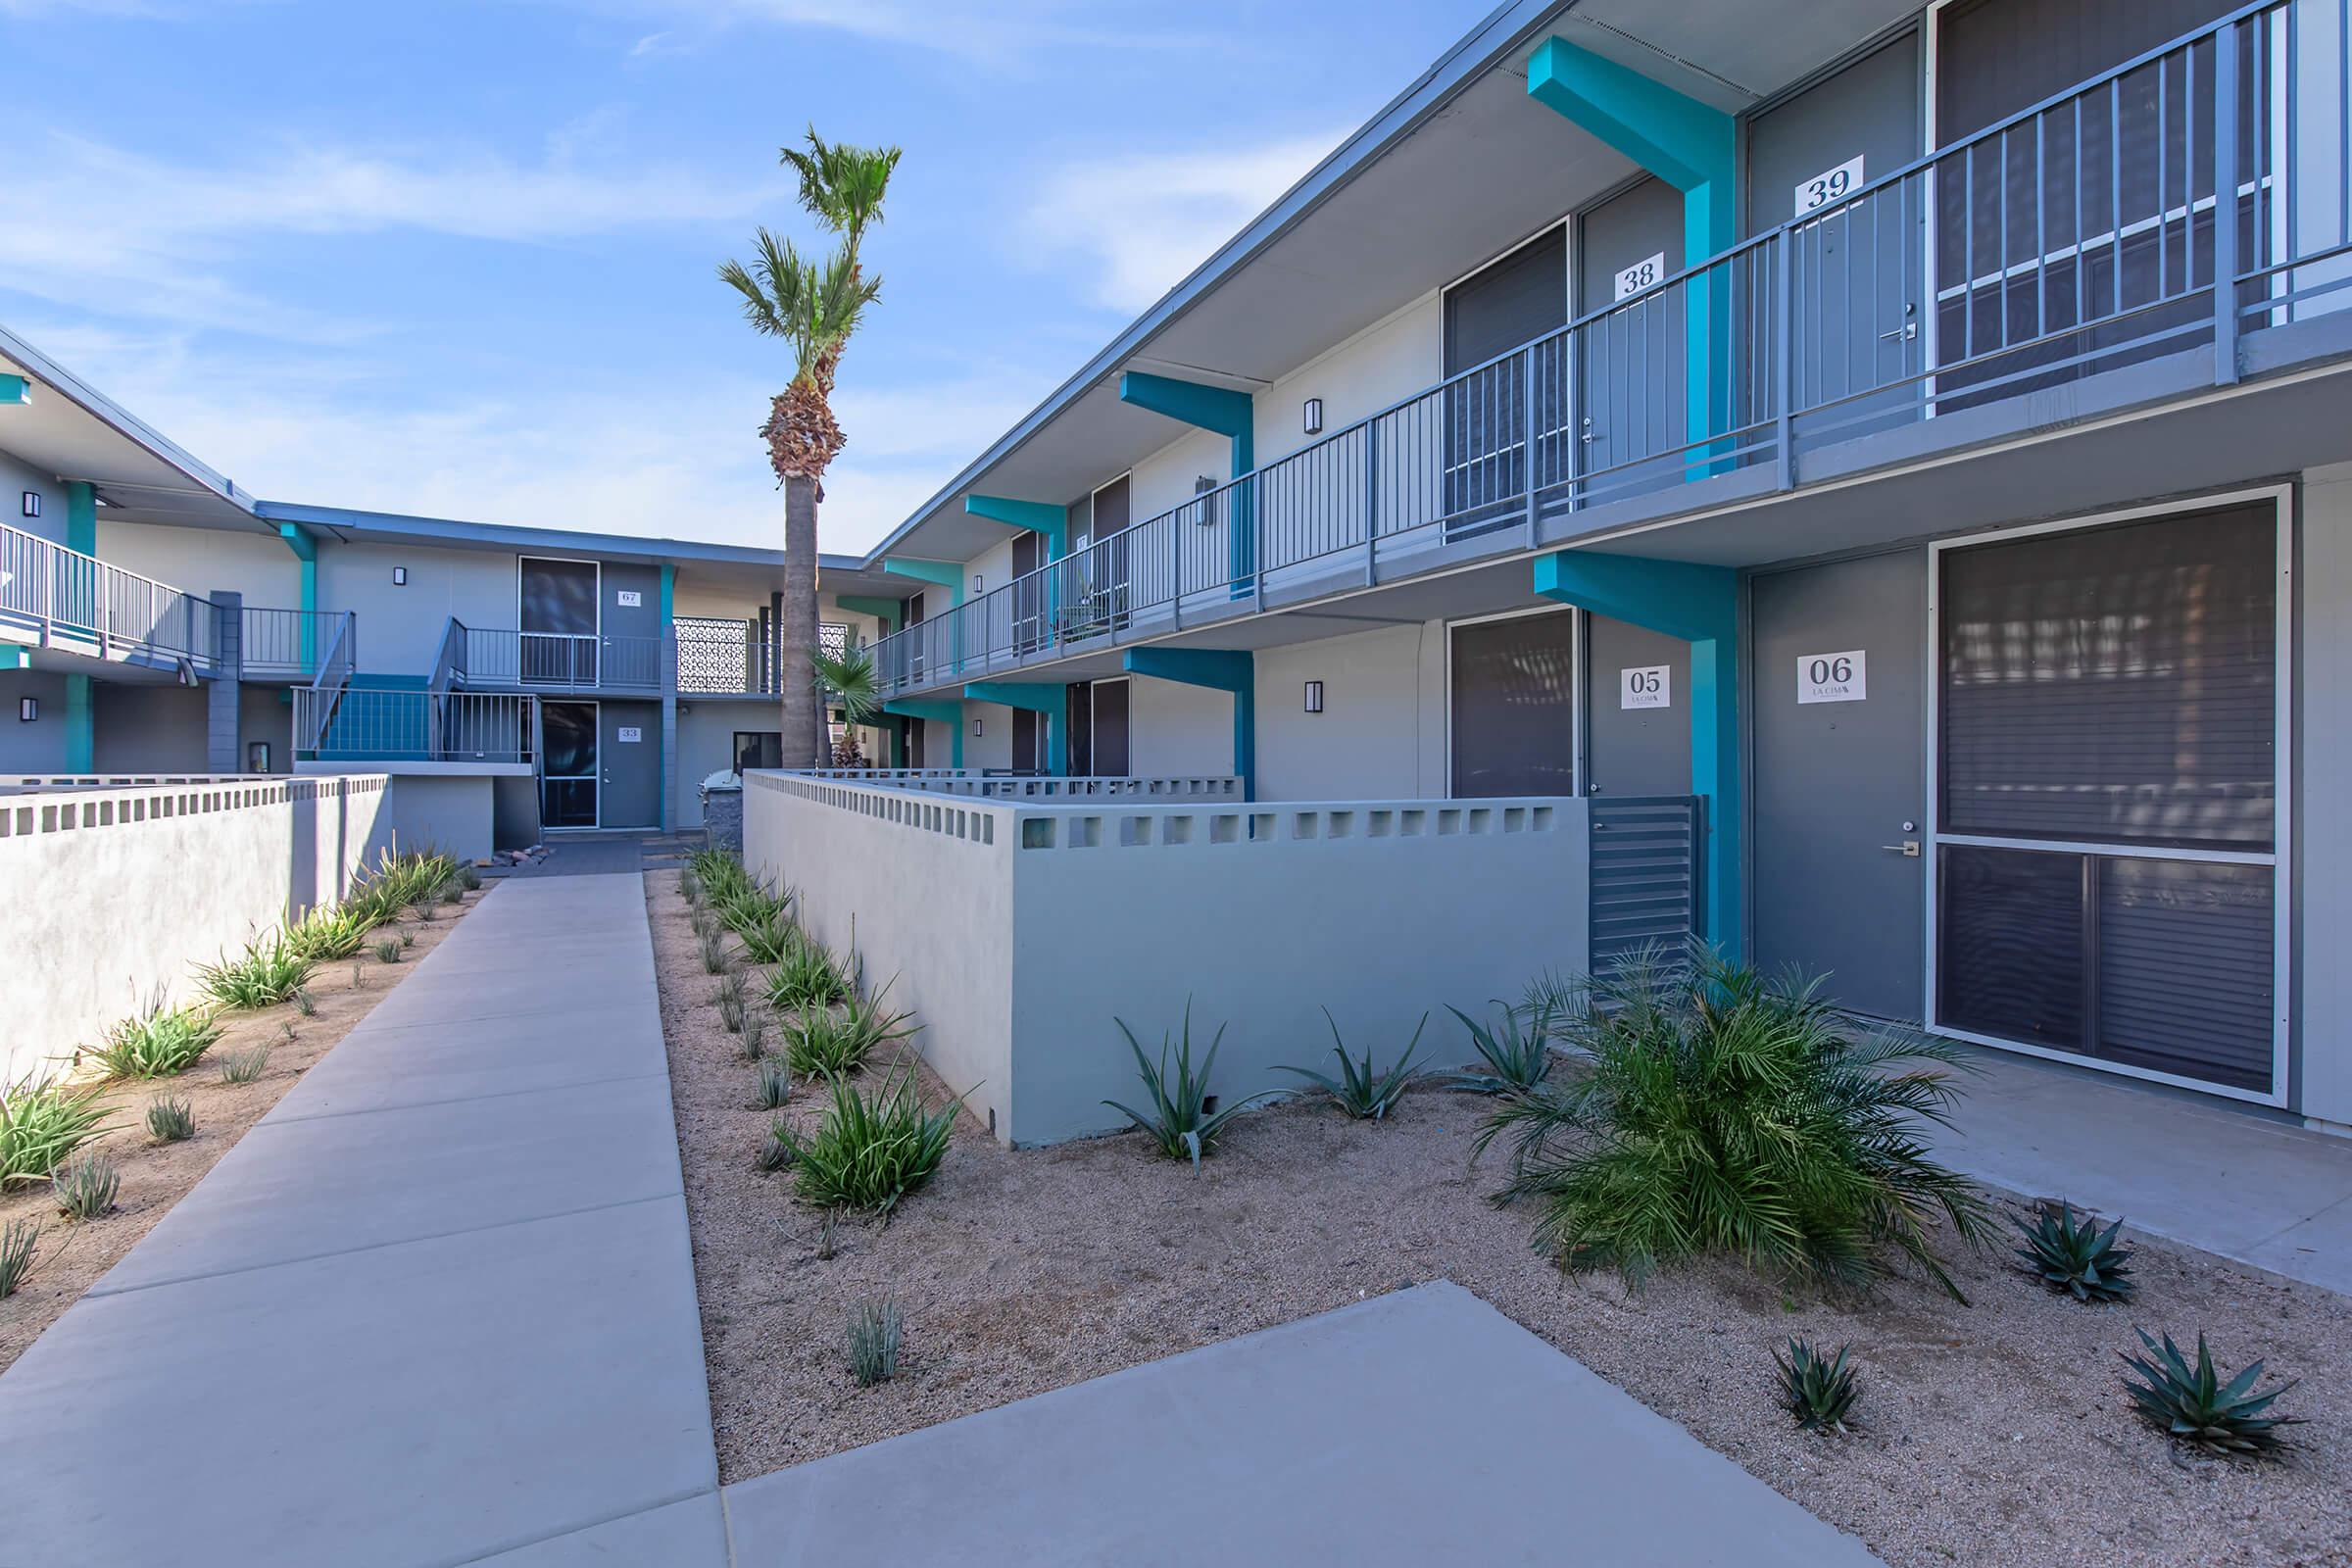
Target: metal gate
{"points": [[1643, 878]]}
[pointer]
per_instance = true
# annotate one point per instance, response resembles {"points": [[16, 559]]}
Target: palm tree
{"points": [[850, 678], [816, 307]]}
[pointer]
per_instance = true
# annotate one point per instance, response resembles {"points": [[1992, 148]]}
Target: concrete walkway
{"points": [[2221, 1177], [1422, 1427], [436, 1308]]}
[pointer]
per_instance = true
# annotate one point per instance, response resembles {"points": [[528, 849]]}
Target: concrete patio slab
{"points": [[452, 996], [2224, 1178], [1418, 1428], [307, 1188], [679, 1534], [426, 1064]]}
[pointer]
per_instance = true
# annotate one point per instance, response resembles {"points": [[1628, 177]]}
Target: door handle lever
{"points": [[1909, 846]]}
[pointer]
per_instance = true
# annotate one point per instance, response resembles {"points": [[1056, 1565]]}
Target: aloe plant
{"points": [[1180, 1124], [870, 1150], [1819, 1390], [1518, 1059], [1360, 1091], [874, 1331], [41, 1122], [158, 1043], [2198, 1407]]}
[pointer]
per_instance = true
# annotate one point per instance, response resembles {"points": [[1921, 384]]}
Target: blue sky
{"points": [[456, 258]]}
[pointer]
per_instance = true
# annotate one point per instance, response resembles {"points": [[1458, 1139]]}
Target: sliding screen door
{"points": [[1513, 704], [556, 616]]}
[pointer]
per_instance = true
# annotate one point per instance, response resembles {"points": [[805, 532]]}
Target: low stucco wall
{"points": [[1021, 934], [116, 891]]}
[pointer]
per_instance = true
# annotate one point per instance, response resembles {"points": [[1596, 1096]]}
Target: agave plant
{"points": [[157, 1043], [1180, 1125], [870, 1150], [42, 1123], [1359, 1090], [16, 1252], [1518, 1058], [2076, 1256], [1819, 1390], [2198, 1407]]}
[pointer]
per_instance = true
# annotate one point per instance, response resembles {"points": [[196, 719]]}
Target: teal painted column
{"points": [[1700, 604], [1231, 415], [1221, 670], [81, 717], [1692, 147], [1037, 516], [1052, 702], [304, 546], [946, 710]]}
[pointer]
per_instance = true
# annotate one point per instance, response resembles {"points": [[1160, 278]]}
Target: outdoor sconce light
{"points": [[1314, 697], [33, 503], [28, 709], [257, 756], [1314, 415], [975, 582], [975, 729], [400, 576]]}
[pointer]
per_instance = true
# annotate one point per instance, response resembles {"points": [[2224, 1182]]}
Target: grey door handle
{"points": [[1909, 846]]}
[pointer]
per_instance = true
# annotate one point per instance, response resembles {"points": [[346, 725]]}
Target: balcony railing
{"points": [[293, 644], [493, 657], [2079, 236], [723, 657], [353, 723], [58, 598]]}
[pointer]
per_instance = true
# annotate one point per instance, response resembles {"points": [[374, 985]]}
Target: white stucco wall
{"points": [[207, 561], [400, 627], [38, 747], [1176, 729], [2324, 761], [1383, 364], [1166, 479], [18, 476], [993, 746], [159, 879], [450, 813], [1382, 731]]}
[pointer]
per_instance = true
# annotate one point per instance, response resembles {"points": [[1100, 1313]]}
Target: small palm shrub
{"points": [[1180, 1123], [1360, 1091], [1721, 1110], [807, 976], [874, 1331], [870, 1150], [329, 932], [2076, 1256], [86, 1186], [733, 1002], [42, 1123], [169, 1119], [244, 1066], [2198, 1407], [1819, 1390], [774, 1084], [1518, 1058], [268, 971], [16, 1243], [158, 1043], [389, 950]]}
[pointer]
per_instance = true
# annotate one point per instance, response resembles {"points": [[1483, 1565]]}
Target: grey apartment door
{"points": [[1632, 390], [629, 782], [1838, 787], [1638, 695]]}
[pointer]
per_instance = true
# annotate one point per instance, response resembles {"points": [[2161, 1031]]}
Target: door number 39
{"points": [[1831, 186]]}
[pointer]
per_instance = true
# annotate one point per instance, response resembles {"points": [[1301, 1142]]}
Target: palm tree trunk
{"points": [[803, 717]]}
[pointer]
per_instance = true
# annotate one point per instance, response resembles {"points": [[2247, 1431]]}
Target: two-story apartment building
{"points": [[1916, 435], [157, 620]]}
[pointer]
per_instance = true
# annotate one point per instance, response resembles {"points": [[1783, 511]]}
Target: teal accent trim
{"points": [[944, 574], [1050, 701], [16, 391], [888, 611], [945, 710], [81, 729], [1211, 408], [15, 657], [81, 523], [304, 546], [1037, 516], [1693, 148], [1220, 670], [1700, 604], [669, 594]]}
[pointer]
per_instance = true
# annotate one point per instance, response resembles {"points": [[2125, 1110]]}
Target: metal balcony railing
{"points": [[58, 598], [2076, 238], [352, 723], [293, 643], [493, 657]]}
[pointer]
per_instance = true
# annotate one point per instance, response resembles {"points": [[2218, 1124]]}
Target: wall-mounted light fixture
{"points": [[33, 503], [975, 582], [1314, 697], [257, 756], [28, 709], [400, 576], [1314, 415], [975, 729]]}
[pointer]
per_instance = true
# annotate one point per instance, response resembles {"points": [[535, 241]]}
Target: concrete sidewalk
{"points": [[1423, 1427], [436, 1308], [2221, 1177]]}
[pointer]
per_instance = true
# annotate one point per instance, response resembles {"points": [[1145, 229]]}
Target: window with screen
{"points": [[1513, 693]]}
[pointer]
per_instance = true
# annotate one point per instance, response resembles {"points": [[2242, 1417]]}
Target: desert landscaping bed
{"points": [[1988, 1433], [70, 1256]]}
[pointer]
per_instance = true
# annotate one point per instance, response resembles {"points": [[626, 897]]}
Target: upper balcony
{"points": [[478, 658], [2058, 266]]}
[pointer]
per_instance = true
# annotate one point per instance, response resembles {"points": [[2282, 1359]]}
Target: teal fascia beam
{"points": [[1220, 670], [1692, 147], [945, 710], [15, 657], [1231, 414], [16, 391], [1050, 701], [1699, 605], [82, 517], [1038, 517], [940, 573], [304, 546], [886, 610]]}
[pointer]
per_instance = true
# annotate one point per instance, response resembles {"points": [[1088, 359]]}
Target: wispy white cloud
{"points": [[1141, 222], [999, 31], [174, 232]]}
